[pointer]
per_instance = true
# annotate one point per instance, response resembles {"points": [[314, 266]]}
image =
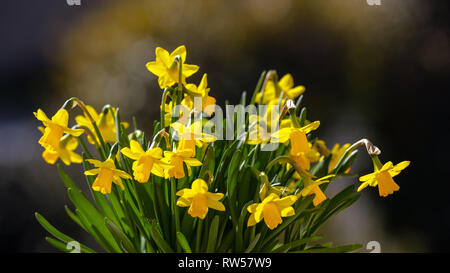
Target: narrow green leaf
{"points": [[338, 249], [120, 237], [213, 229], [159, 240], [286, 247], [58, 234], [183, 242]]}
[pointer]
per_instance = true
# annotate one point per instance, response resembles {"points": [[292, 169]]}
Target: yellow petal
{"points": [[192, 162], [74, 132], [295, 92], [163, 56], [286, 82], [92, 172], [156, 68], [288, 211], [50, 156], [181, 51], [286, 201], [128, 153], [189, 69], [251, 220], [215, 205], [311, 127], [40, 115], [252, 208], [199, 186], [61, 117], [183, 202], [136, 147]]}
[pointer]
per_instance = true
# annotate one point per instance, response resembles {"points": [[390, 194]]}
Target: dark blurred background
{"points": [[379, 72]]}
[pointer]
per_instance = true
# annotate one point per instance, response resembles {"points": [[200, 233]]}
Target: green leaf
{"points": [[286, 247], [338, 249], [183, 242], [159, 240], [120, 237], [253, 243], [58, 234], [58, 244], [92, 215], [213, 229]]}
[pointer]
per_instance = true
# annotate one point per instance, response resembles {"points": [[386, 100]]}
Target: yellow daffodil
{"points": [[191, 136], [289, 189], [166, 68], [272, 91], [199, 200], [201, 91], [296, 135], [66, 153], [106, 174], [146, 162], [272, 208], [106, 124], [55, 128], [176, 159], [383, 178], [261, 126], [336, 153], [300, 150], [168, 113], [312, 187]]}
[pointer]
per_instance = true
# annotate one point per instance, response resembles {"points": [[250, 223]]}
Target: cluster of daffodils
{"points": [[190, 186]]}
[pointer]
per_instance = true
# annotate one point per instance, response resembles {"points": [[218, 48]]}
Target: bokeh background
{"points": [[380, 72]]}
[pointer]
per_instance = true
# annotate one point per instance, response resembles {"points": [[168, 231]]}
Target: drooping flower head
{"points": [[66, 153], [176, 161], [271, 209], [166, 68], [300, 151], [272, 91], [105, 122], [55, 128], [202, 91], [146, 162], [191, 136], [382, 177], [312, 187], [199, 200], [106, 174]]}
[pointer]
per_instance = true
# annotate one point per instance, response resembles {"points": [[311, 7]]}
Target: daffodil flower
{"points": [[300, 150], [176, 160], [289, 189], [382, 177], [55, 128], [272, 91], [146, 162], [261, 126], [271, 209], [166, 68], [336, 153], [106, 124], [199, 200], [106, 174], [201, 91], [191, 136], [66, 153], [312, 187]]}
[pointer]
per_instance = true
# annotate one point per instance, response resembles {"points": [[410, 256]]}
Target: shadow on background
{"points": [[379, 72]]}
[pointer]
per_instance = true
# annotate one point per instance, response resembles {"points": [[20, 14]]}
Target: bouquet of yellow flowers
{"points": [[254, 181]]}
